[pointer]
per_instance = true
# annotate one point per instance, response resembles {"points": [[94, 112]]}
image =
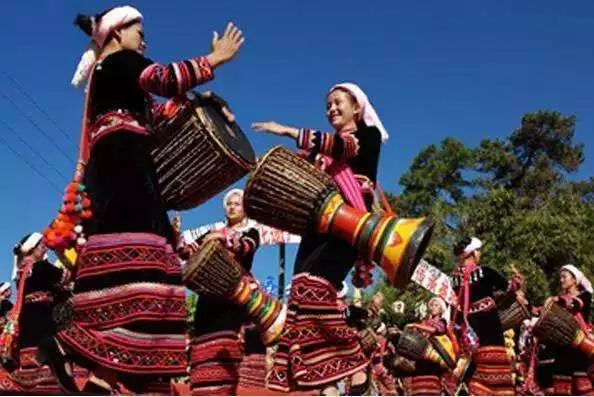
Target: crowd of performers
{"points": [[112, 317]]}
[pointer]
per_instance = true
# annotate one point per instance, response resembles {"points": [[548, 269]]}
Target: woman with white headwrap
{"points": [[481, 331], [220, 363], [570, 369], [351, 156], [426, 379], [5, 303], [30, 326], [129, 303]]}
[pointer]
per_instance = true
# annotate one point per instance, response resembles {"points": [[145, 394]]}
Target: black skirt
{"points": [[122, 185]]}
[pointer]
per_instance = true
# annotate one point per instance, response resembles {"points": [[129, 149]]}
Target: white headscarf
{"points": [[368, 113], [4, 286], [112, 20], [343, 292], [231, 193], [445, 310], [581, 279], [475, 244], [24, 248]]}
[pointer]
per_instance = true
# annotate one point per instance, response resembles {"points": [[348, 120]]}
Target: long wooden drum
{"points": [[557, 327], [513, 315], [199, 154], [287, 192], [214, 272]]}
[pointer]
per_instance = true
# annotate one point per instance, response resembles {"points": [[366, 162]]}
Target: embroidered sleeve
{"points": [[334, 145], [245, 243], [440, 327], [433, 327], [175, 78]]}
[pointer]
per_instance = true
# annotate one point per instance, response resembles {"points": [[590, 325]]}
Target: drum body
{"points": [[557, 327], [212, 271], [416, 346], [287, 192], [198, 154], [513, 315], [445, 348]]}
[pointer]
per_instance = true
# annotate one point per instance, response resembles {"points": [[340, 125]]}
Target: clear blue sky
{"points": [[467, 69]]}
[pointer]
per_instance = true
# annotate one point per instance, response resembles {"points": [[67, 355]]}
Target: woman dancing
{"points": [[318, 348], [129, 307]]}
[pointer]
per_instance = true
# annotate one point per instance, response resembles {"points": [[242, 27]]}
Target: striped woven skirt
{"points": [[128, 312], [493, 373], [317, 347]]}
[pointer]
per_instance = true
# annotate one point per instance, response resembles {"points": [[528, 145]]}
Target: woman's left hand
{"points": [[517, 276], [276, 129]]}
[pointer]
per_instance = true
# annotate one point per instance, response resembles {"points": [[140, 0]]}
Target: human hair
{"points": [[86, 23], [461, 246]]}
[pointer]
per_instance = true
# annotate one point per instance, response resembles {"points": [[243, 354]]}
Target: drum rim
{"points": [[442, 352], [248, 165], [417, 336], [523, 308], [206, 251], [547, 308], [414, 252], [257, 169], [545, 311]]}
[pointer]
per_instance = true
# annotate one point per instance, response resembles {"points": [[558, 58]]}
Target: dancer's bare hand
{"points": [[176, 223], [225, 47], [275, 128]]}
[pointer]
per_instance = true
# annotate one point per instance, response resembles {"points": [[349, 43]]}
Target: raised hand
{"points": [[275, 128], [225, 48]]}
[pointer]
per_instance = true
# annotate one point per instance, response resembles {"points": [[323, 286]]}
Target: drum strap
{"points": [[84, 147], [464, 298]]}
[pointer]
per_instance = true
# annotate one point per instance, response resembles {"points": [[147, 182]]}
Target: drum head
{"points": [[228, 134]]}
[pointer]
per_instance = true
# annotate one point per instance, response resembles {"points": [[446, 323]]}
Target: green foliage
{"points": [[513, 193]]}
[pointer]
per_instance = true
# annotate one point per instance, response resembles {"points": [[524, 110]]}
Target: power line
{"points": [[24, 142], [8, 99], [24, 160], [38, 107]]}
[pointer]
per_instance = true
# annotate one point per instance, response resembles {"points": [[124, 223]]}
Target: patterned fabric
{"points": [[579, 384], [317, 347], [482, 305], [113, 307], [136, 329], [493, 374], [39, 297], [109, 254], [175, 78], [562, 385], [385, 382], [7, 384], [582, 385], [32, 377], [422, 385], [113, 122], [339, 146], [214, 364], [252, 371]]}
